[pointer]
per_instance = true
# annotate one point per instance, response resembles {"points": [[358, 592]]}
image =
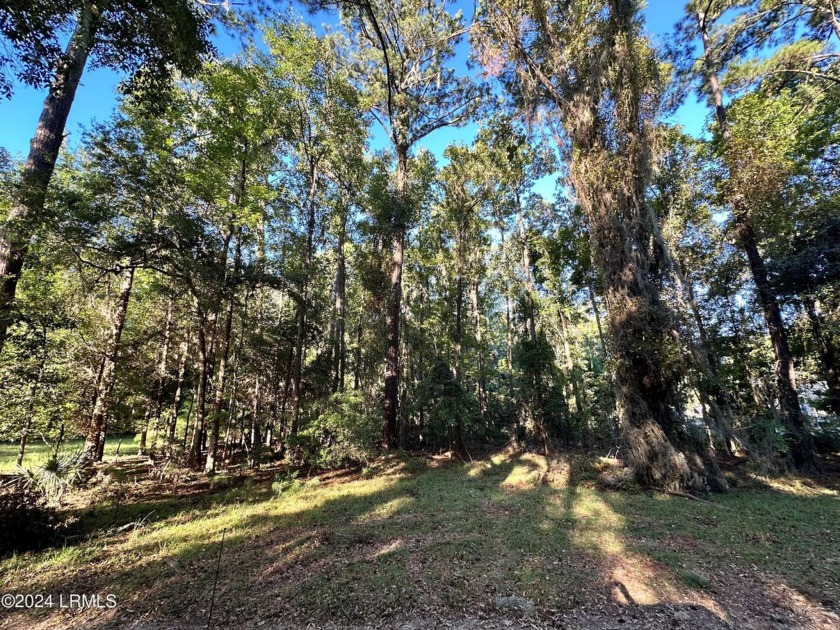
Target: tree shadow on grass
{"points": [[417, 540]]}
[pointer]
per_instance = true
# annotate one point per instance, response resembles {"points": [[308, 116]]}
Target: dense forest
{"points": [[259, 256], [420, 314]]}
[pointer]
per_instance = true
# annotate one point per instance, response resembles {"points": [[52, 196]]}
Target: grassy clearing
{"points": [[37, 452], [415, 538]]}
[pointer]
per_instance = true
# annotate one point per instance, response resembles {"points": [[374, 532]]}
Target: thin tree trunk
{"points": [[59, 440], [720, 405], [221, 376], [194, 459], [187, 419], [30, 407], [40, 164], [96, 429], [163, 375], [526, 270], [300, 348], [340, 352], [798, 439], [508, 327], [393, 312], [481, 382], [179, 388], [570, 364], [594, 304], [144, 431], [357, 368], [537, 411], [459, 300]]}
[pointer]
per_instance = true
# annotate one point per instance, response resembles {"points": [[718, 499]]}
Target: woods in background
{"points": [[259, 256]]}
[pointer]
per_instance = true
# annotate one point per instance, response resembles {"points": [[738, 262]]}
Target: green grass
{"points": [[412, 539], [37, 452]]}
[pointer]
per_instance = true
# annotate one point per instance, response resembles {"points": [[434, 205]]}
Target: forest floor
{"points": [[507, 541]]}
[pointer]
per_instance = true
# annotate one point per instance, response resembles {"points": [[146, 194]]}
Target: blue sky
{"points": [[96, 97]]}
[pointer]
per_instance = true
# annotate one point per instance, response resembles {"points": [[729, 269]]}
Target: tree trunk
{"points": [[37, 172], [179, 388], [531, 317], [340, 351], [163, 375], [526, 270], [221, 376], [393, 312], [797, 437], [144, 431], [96, 429], [30, 407], [194, 458], [481, 381], [300, 348], [508, 326], [570, 364], [459, 300], [718, 398]]}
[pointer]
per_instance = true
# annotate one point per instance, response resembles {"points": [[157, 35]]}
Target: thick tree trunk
{"points": [[96, 429], [393, 311], [610, 182], [37, 172]]}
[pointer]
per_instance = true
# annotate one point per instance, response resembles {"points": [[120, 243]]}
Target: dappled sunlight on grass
{"points": [[796, 486], [526, 471], [387, 548], [410, 537], [597, 526], [386, 510]]}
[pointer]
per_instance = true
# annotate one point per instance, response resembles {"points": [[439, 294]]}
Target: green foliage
{"points": [[827, 436], [53, 479], [346, 431], [445, 402], [148, 40]]}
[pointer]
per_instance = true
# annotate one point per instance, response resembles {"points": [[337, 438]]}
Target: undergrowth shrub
{"points": [[27, 521], [346, 432], [57, 476], [827, 437]]}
